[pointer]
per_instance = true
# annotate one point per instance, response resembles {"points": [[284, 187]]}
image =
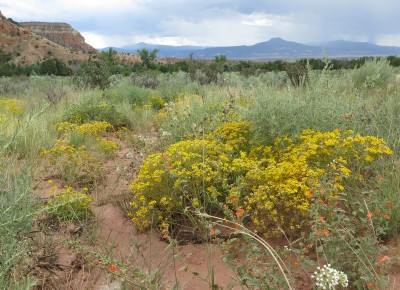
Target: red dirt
{"points": [[115, 232]]}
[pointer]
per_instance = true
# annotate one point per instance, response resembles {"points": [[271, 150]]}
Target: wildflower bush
{"points": [[275, 183], [10, 108], [95, 128], [69, 205], [73, 164], [108, 147], [280, 180], [192, 173]]}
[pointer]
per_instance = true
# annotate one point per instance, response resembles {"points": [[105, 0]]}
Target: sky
{"points": [[118, 23]]}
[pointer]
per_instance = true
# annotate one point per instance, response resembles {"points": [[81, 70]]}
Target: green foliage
{"points": [[53, 67], [69, 205], [94, 74], [374, 74], [146, 79], [147, 57], [297, 73], [16, 220], [4, 57], [95, 109]]}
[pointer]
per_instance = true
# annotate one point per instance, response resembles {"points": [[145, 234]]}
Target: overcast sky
{"points": [[216, 22]]}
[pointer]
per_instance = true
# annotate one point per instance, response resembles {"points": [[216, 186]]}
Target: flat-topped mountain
{"points": [[61, 33], [27, 47]]}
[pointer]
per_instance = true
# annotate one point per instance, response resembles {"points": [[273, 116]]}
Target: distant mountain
{"points": [[275, 48], [344, 48]]}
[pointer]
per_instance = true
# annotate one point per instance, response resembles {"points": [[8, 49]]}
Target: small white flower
{"points": [[328, 278]]}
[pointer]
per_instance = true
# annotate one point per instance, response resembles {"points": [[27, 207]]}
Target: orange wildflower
{"points": [[387, 217], [213, 233], [240, 212], [326, 233], [383, 259], [380, 179], [112, 268], [370, 215], [370, 286], [169, 167]]}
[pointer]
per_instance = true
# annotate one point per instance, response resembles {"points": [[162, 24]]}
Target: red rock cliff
{"points": [[61, 33]]}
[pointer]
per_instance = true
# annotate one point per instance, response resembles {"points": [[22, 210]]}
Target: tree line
{"points": [[107, 63]]}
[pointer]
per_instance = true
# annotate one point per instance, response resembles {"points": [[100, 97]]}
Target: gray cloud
{"points": [[218, 22]]}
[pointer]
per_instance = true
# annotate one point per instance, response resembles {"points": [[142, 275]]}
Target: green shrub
{"points": [[95, 109], [69, 205], [376, 73], [93, 74], [16, 220]]}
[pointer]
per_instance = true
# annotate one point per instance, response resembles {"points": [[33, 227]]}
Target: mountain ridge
{"points": [[273, 49]]}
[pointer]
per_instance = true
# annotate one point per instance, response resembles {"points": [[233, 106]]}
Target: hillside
{"points": [[28, 47]]}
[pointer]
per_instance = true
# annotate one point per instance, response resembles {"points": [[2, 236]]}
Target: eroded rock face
{"points": [[61, 33], [7, 27]]}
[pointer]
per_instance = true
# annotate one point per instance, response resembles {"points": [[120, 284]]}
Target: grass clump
{"points": [[69, 204], [73, 164]]}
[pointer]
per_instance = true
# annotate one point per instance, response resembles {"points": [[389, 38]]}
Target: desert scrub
{"points": [[69, 204], [273, 183], [73, 164], [374, 74], [191, 114]]}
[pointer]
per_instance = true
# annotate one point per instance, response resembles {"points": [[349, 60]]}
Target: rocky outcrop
{"points": [[7, 27], [29, 48], [60, 33]]}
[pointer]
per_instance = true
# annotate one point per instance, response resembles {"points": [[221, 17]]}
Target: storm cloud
{"points": [[217, 22]]}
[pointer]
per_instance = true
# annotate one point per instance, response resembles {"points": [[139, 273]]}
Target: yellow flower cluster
{"points": [[73, 164], [69, 204], [10, 108], [278, 182], [95, 128], [273, 183], [13, 106], [188, 172], [235, 134], [108, 147]]}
